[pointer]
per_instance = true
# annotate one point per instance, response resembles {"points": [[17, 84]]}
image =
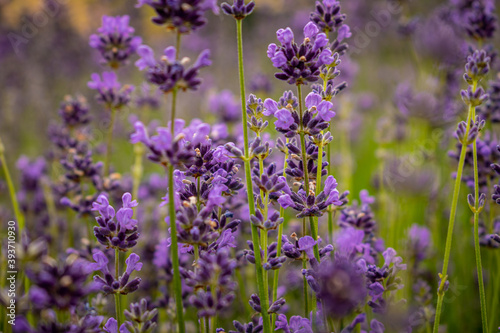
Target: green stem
{"points": [[174, 248], [477, 249], [117, 295], [451, 222], [261, 287], [175, 251], [110, 142], [174, 107], [278, 254], [202, 325], [12, 191], [213, 324]]}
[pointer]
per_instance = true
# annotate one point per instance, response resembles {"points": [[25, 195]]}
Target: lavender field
{"points": [[292, 166]]}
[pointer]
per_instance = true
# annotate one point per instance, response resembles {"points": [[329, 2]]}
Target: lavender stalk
{"points": [[456, 191], [261, 287]]}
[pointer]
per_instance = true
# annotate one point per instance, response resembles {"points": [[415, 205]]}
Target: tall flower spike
{"points": [[328, 17], [74, 111], [477, 66], [115, 40], [169, 73], [118, 231], [59, 285], [179, 150]]}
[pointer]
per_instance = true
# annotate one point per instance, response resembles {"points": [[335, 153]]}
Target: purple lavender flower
{"points": [[110, 284], [491, 240], [109, 91], [359, 216], [476, 67], [350, 243], [30, 194], [194, 226], [111, 326], [116, 230], [310, 204], [420, 240], [212, 278], [487, 154], [178, 150], [74, 111], [303, 248], [169, 73], [225, 106], [181, 15], [383, 279], [238, 10], [141, 317], [254, 326], [491, 109], [115, 40], [300, 64], [316, 104], [328, 18], [339, 284]]}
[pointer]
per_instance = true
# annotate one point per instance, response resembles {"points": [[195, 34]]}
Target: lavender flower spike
{"points": [[109, 91], [182, 15], [238, 10], [115, 40], [169, 73]]}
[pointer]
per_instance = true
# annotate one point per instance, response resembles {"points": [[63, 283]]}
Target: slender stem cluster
{"points": [[261, 286], [449, 236], [12, 191]]}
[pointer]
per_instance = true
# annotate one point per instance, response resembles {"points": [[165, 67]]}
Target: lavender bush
{"points": [[251, 167]]}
